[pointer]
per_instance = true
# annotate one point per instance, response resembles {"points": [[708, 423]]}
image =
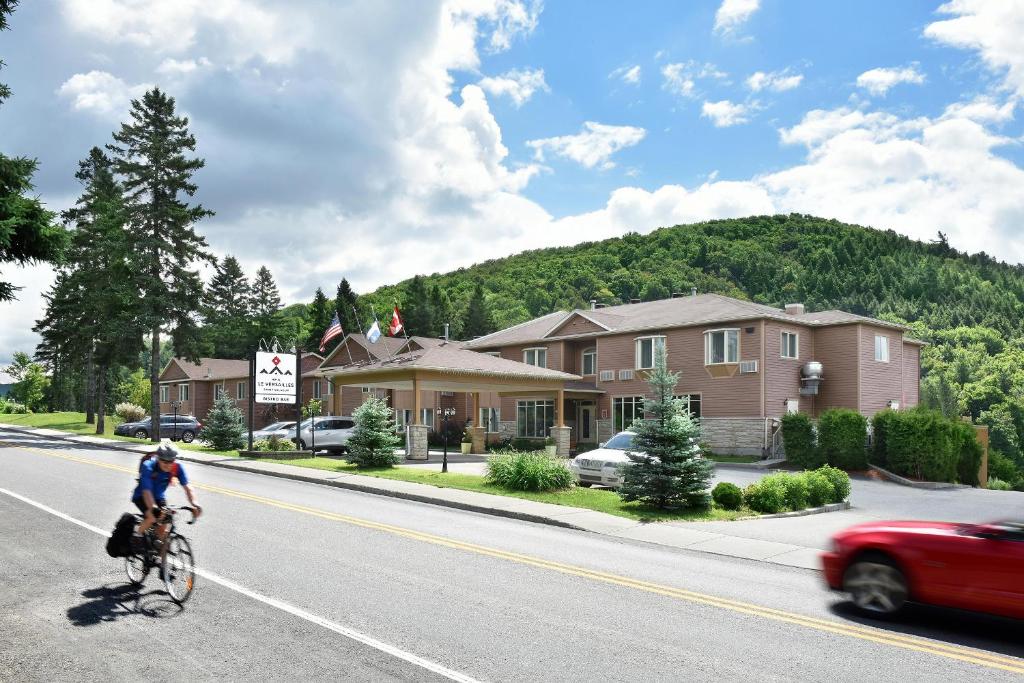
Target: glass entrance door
{"points": [[587, 430]]}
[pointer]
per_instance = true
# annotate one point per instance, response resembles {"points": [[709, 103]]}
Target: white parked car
{"points": [[332, 433], [282, 430], [602, 466]]}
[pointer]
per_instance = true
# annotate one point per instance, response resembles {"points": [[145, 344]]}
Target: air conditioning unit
{"points": [[607, 375], [625, 374], [748, 367], [447, 393]]}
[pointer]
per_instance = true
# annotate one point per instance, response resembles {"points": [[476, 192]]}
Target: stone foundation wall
{"points": [[733, 435]]}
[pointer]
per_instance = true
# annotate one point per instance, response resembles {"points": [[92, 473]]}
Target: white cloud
{"points": [[175, 67], [778, 81], [591, 147], [100, 92], [513, 18], [677, 80], [820, 125], [725, 113], [734, 13], [981, 109], [516, 84], [994, 29], [879, 81], [628, 74]]}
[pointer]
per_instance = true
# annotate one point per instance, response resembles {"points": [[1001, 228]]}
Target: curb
{"points": [[903, 481], [362, 488], [831, 507]]}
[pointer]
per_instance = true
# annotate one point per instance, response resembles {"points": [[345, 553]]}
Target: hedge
{"points": [[796, 491], [969, 452], [798, 440], [919, 443], [879, 429], [842, 434]]}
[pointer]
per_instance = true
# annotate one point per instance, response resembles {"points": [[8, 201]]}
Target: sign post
{"points": [[252, 393]]}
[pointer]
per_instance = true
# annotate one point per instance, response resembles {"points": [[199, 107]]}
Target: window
{"points": [[881, 348], [537, 356], [721, 346], [317, 389], [489, 419], [403, 418], [790, 345], [589, 364], [218, 391], [165, 394], [691, 404], [427, 417], [625, 410], [242, 390], [182, 392], [646, 351], [534, 418]]}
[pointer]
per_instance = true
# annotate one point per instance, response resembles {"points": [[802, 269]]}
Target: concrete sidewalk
{"points": [[673, 534]]}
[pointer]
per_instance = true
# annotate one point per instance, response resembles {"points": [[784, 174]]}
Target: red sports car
{"points": [[883, 565]]}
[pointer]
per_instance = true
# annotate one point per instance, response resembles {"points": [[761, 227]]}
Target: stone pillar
{"points": [[561, 437], [417, 448], [479, 435]]}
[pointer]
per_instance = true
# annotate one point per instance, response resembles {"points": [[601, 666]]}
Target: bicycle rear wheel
{"points": [[178, 569], [136, 568]]}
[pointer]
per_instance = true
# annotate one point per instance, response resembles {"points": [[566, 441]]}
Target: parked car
{"points": [[332, 433], [184, 427], [282, 430], [603, 465], [884, 565]]}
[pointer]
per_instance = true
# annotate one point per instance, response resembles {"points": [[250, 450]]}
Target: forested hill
{"points": [[767, 259]]}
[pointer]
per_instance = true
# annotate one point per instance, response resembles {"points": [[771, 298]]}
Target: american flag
{"points": [[333, 331]]}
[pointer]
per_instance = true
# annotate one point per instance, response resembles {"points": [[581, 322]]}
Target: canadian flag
{"points": [[396, 326]]}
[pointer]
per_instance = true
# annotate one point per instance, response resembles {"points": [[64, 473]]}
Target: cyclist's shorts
{"points": [[141, 504]]}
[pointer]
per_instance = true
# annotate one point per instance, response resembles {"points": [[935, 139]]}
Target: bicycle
{"points": [[173, 556]]}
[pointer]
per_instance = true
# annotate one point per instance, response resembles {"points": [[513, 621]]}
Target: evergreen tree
{"points": [[667, 470], [321, 313], [266, 306], [28, 233], [416, 311], [150, 156], [373, 442], [477, 322], [441, 310], [224, 426], [345, 301], [227, 308]]}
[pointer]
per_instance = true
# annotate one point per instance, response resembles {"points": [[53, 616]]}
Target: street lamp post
{"points": [[174, 425], [444, 414]]}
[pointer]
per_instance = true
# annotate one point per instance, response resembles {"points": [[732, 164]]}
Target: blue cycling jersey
{"points": [[155, 480]]}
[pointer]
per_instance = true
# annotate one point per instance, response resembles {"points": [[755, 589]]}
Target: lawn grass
{"points": [[599, 500]]}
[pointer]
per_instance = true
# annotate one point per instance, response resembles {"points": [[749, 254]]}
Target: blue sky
{"points": [[373, 141]]}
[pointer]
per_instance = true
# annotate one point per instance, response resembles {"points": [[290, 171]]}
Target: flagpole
{"points": [[391, 354], [405, 330], [344, 340]]}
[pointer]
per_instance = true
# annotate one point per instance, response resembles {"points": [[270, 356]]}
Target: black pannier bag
{"points": [[119, 543]]}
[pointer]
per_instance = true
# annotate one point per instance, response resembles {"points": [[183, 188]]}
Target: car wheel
{"points": [[584, 484], [140, 434], [876, 586], [188, 437]]}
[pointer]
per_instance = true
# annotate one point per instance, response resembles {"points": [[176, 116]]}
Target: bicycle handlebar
{"points": [[173, 509]]}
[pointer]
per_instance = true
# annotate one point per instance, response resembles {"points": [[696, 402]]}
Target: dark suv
{"points": [[185, 427]]}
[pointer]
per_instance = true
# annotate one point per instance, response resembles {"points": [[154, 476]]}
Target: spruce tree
{"points": [[666, 471], [373, 442], [150, 155], [441, 309], [266, 306], [28, 232], [417, 313], [344, 301], [478, 321], [224, 426], [227, 307], [321, 313]]}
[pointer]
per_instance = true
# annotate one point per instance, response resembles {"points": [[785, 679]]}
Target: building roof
{"points": [[450, 359], [212, 368], [703, 309]]}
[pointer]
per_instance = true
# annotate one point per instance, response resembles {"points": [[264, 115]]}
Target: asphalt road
{"points": [[312, 582]]}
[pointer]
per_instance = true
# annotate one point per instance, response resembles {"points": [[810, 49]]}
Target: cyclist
{"points": [[155, 474]]}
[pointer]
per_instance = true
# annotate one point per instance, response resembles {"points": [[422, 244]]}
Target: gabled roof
{"points": [[386, 347], [685, 311], [211, 368]]}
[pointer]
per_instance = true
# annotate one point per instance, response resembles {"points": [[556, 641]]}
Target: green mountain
{"points": [[768, 259]]}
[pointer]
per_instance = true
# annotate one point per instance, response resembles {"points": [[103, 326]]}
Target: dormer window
{"points": [[589, 364]]}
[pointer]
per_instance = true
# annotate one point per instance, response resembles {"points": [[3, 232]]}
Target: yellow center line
{"points": [[964, 654]]}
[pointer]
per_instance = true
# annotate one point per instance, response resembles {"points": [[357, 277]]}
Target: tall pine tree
{"points": [[478, 320], [417, 313], [345, 300], [227, 310], [321, 313], [266, 306], [150, 155], [28, 233]]}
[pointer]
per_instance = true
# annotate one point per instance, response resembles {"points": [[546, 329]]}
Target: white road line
{"points": [[281, 605]]}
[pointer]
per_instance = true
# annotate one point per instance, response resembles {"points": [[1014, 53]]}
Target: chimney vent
{"points": [[794, 309], [209, 373], [693, 291], [593, 304], [446, 333]]}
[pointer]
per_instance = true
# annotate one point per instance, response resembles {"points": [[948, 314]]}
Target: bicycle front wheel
{"points": [[179, 569], [136, 567]]}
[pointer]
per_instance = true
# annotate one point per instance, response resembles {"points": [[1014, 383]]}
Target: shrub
{"points": [[879, 429], [798, 440], [467, 437], [273, 444], [526, 445], [13, 408], [1002, 467], [224, 428], [129, 412], [842, 434], [998, 485], [528, 472], [767, 495], [727, 496], [796, 490], [969, 452], [454, 431], [919, 444], [820, 490], [373, 442], [840, 482]]}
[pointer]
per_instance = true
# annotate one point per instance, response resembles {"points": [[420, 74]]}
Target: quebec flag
{"points": [[373, 334]]}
